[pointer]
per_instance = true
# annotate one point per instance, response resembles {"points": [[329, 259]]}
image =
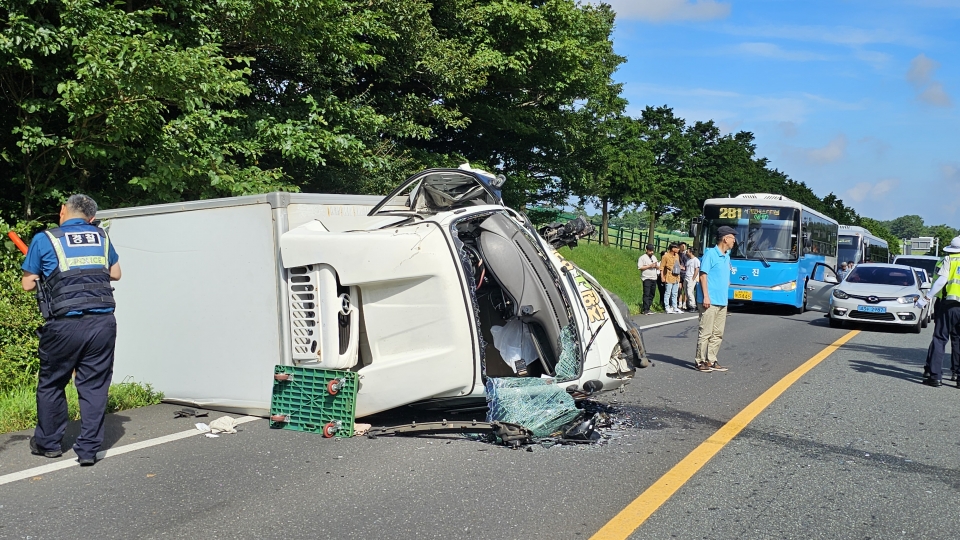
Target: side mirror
{"points": [[694, 231]]}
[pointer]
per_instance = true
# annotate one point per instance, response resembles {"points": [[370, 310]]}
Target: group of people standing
{"points": [[674, 274]]}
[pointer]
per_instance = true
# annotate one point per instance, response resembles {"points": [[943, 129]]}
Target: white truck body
{"points": [[216, 293]]}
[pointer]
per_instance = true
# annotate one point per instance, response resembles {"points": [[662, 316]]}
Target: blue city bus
{"points": [[858, 245], [779, 243]]}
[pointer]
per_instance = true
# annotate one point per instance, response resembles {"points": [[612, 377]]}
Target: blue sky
{"points": [[859, 98]]}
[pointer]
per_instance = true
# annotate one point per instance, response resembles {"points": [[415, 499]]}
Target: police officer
{"points": [[947, 316], [72, 267]]}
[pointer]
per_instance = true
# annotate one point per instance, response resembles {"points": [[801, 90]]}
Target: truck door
{"points": [[820, 287]]}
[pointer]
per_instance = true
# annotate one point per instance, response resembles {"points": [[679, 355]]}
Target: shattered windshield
{"points": [[763, 233], [438, 190]]}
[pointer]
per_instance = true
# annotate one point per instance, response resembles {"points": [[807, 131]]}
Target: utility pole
{"points": [[937, 251]]}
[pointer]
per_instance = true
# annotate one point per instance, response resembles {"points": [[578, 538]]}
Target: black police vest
{"points": [[81, 281]]}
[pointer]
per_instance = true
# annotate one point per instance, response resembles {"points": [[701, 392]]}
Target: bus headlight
{"points": [[837, 293], [788, 286], [909, 299]]}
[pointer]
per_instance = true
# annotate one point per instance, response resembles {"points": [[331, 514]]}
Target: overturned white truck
{"points": [[424, 293]]}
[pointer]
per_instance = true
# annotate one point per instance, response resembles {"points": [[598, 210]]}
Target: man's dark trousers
{"points": [[649, 288], [85, 344], [947, 321]]}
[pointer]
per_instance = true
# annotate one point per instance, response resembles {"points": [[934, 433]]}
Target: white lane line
{"points": [[669, 322], [72, 461]]}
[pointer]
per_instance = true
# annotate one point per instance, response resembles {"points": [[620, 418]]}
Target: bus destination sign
{"points": [[741, 212]]}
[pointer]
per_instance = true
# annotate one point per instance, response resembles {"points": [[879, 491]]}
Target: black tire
{"points": [[924, 322], [835, 323], [803, 306], [621, 305], [915, 329]]}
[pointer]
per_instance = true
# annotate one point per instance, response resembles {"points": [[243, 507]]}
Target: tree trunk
{"points": [[605, 222], [651, 225]]}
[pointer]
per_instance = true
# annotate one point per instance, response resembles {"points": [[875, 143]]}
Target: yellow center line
{"points": [[631, 517]]}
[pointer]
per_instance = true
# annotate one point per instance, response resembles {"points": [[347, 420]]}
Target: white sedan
{"points": [[878, 293]]}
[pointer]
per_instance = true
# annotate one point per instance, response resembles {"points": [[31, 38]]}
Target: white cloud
{"points": [[920, 75], [936, 95], [771, 50], [670, 10], [835, 150], [865, 190], [835, 35], [921, 70]]}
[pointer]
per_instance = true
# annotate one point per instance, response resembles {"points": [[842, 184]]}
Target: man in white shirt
{"points": [[690, 279], [649, 270]]}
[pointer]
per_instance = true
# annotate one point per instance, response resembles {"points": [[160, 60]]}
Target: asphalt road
{"points": [[856, 449]]}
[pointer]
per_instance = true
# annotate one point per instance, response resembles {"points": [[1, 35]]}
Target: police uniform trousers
{"points": [[86, 344], [947, 322]]}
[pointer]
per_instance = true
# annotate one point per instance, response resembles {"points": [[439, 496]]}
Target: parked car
{"points": [[872, 293], [926, 262]]}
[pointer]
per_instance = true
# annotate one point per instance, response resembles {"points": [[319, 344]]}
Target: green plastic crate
{"points": [[303, 401]]}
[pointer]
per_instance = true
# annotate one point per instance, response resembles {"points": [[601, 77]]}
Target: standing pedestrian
{"points": [[690, 279], [661, 286], [670, 272], [842, 273], [684, 256], [648, 266], [712, 291], [947, 321], [73, 266]]}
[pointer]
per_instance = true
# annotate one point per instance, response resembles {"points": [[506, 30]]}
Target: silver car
{"points": [[876, 293]]}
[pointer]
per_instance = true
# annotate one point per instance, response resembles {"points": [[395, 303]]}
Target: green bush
{"points": [[19, 316]]}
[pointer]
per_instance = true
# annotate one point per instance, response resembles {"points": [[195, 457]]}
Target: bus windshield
{"points": [[849, 249], [764, 233]]}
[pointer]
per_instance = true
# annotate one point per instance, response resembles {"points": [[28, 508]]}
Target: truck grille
{"points": [[304, 316]]}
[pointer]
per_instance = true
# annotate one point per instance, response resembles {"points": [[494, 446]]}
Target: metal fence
{"points": [[630, 239]]}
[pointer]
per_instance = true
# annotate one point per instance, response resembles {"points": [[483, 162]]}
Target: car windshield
{"points": [[880, 275], [930, 265]]}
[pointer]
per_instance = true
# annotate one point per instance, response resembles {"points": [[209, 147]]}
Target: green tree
{"points": [[877, 228], [663, 134], [612, 168], [907, 226], [944, 233]]}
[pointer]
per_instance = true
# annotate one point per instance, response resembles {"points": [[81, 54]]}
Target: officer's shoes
{"points": [[87, 462], [35, 450]]}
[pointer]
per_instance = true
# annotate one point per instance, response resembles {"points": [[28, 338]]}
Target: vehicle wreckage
{"points": [[427, 294]]}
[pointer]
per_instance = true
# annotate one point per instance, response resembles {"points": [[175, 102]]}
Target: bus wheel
{"points": [[803, 306]]}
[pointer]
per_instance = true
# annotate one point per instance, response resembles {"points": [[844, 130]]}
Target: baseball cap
{"points": [[723, 231]]}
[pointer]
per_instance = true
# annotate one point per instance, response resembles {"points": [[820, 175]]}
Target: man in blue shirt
{"points": [[712, 292], [73, 265]]}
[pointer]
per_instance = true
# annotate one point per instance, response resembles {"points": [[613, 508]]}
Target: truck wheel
{"points": [[621, 305]]}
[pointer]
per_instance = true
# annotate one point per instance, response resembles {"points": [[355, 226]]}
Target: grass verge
{"points": [[614, 268], [18, 407]]}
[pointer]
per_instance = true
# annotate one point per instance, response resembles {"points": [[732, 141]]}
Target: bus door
{"points": [[820, 286]]}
